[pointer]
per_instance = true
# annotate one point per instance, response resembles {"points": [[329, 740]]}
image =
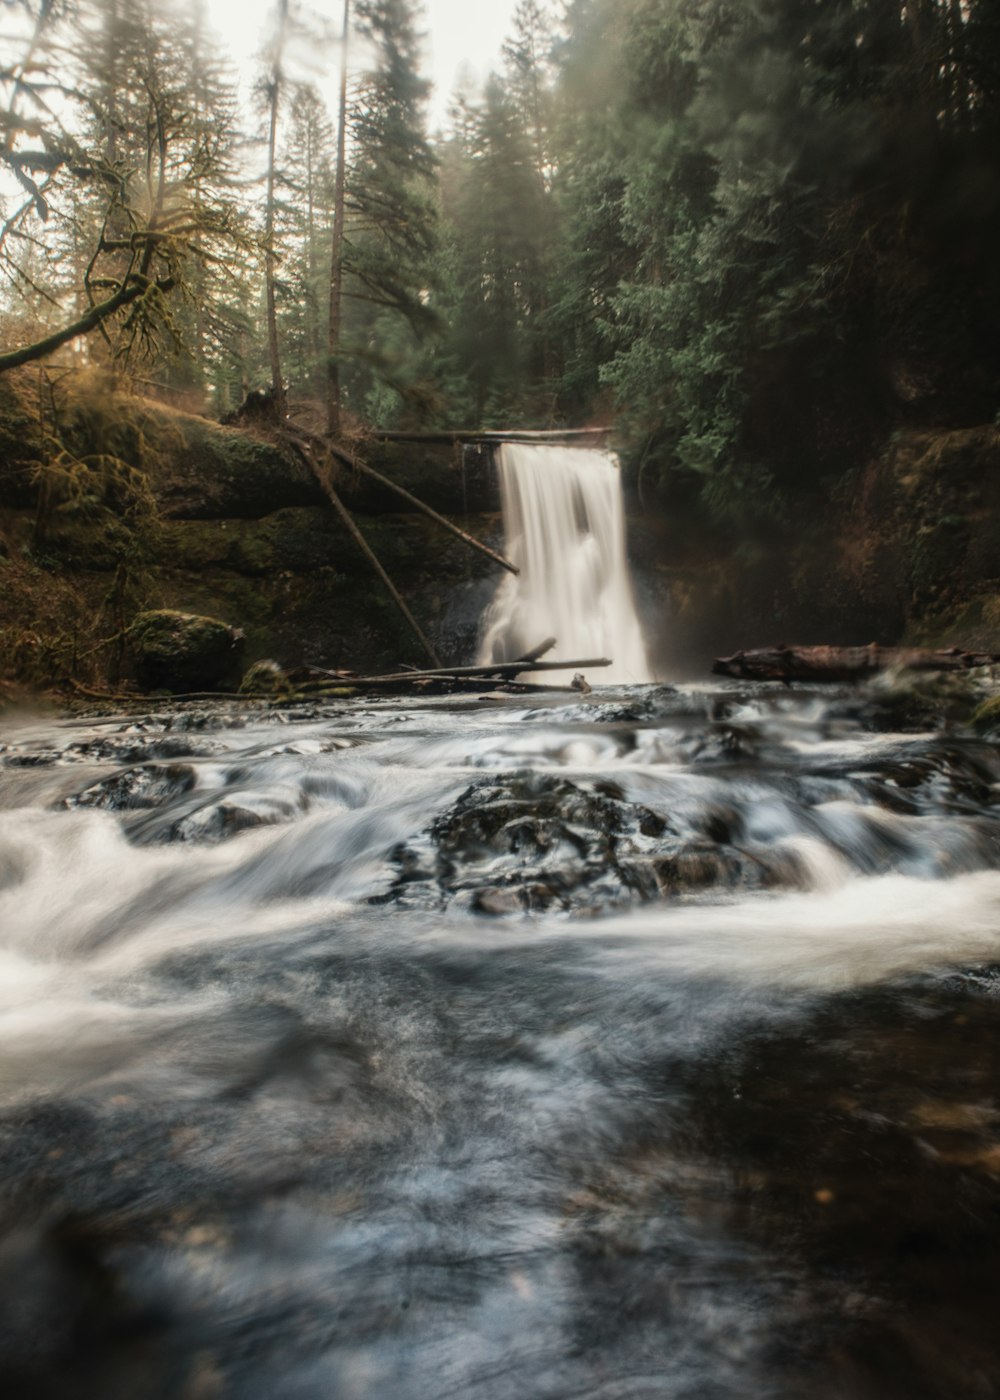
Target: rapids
{"points": [[639, 1047]]}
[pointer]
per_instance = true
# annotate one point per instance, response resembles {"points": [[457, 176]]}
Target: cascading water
{"points": [[565, 530], [626, 1048]]}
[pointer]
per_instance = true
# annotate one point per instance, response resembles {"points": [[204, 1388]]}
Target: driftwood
{"points": [[503, 670], [834, 664], [536, 653], [488, 435]]}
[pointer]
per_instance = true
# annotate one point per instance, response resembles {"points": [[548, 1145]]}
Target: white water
{"points": [[332, 1135], [565, 530]]}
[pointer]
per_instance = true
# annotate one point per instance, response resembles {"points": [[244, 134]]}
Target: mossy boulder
{"points": [[184, 652], [265, 678], [986, 720]]}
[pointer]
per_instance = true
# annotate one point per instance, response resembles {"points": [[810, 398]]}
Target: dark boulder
{"points": [[183, 652]]}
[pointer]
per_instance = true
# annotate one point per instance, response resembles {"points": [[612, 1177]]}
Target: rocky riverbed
{"points": [[640, 1046]]}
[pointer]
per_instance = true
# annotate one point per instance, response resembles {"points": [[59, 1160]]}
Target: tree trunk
{"points": [[833, 664], [337, 252], [277, 383]]}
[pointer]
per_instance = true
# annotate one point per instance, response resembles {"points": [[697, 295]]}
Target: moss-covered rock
{"points": [[986, 719], [215, 473], [296, 540], [183, 651], [265, 678]]}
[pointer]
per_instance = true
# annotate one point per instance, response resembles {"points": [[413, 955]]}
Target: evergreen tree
{"points": [[307, 164], [502, 222], [134, 194], [391, 235]]}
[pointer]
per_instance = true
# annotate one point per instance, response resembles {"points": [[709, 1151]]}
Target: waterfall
{"points": [[565, 530]]}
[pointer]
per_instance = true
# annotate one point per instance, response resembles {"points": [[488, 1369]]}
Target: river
{"points": [[638, 1047]]}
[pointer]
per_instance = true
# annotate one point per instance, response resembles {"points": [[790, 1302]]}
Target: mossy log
{"points": [[833, 664]]}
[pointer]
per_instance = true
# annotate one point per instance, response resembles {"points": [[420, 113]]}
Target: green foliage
{"points": [[392, 228], [759, 234], [121, 133]]}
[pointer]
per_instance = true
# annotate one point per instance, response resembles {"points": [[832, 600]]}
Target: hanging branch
{"points": [[126, 295], [366, 549], [350, 460]]}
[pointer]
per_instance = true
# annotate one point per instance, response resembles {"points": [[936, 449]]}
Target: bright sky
{"points": [[462, 36]]}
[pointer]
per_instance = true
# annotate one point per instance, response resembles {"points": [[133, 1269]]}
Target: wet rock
{"points": [[137, 789], [915, 701], [499, 902], [120, 748], [216, 821], [265, 678], [531, 842], [184, 652], [37, 758], [940, 778]]}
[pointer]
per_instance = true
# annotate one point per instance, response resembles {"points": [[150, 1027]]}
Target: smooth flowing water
{"points": [[640, 1048], [564, 523]]}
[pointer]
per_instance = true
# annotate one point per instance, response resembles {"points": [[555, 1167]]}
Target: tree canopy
{"points": [[759, 234]]}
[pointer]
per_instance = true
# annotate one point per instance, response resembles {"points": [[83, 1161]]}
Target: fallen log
{"points": [[536, 653], [488, 435], [504, 670], [834, 664]]}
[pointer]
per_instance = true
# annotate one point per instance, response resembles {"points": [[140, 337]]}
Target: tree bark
{"points": [[337, 252], [274, 352], [833, 664]]}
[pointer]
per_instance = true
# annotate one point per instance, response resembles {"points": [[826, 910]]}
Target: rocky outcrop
{"points": [[902, 553], [193, 517]]}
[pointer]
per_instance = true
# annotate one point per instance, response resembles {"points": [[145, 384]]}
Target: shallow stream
{"points": [[642, 1047]]}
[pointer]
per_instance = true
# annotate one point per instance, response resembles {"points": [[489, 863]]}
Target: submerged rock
{"points": [[146, 786], [529, 842], [180, 651]]}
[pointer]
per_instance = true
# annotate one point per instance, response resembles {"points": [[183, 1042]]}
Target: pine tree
{"points": [[134, 194], [307, 164], [391, 233]]}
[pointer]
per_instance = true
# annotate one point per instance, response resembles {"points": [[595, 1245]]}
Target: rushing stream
{"points": [[642, 1048]]}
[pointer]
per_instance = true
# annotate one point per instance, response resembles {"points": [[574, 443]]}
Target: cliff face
{"points": [[905, 551], [138, 506]]}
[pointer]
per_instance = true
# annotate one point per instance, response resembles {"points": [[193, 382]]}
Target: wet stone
{"points": [[39, 758], [535, 842], [215, 822], [149, 785]]}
